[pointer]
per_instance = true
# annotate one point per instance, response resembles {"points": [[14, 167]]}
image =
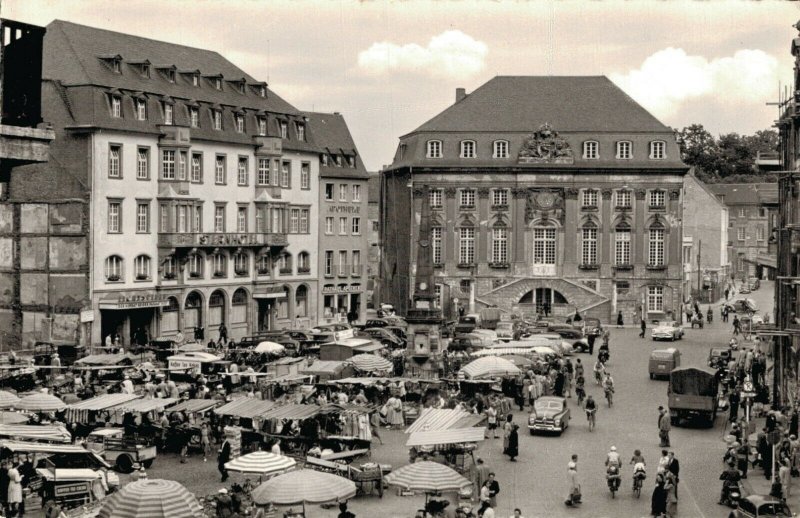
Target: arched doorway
{"points": [[216, 309], [542, 301], [240, 312], [193, 311]]}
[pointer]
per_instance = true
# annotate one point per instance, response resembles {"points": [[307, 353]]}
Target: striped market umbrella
{"points": [[261, 463], [7, 399], [152, 498], [427, 476], [13, 418], [371, 363], [488, 367], [304, 486], [41, 402]]}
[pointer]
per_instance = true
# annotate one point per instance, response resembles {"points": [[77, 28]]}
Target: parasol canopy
{"points": [[427, 476], [371, 363], [489, 367], [269, 347], [304, 486], [151, 498], [41, 402], [12, 418], [261, 463], [7, 399]]}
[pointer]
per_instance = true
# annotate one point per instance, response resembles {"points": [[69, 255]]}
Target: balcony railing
{"points": [[220, 239]]}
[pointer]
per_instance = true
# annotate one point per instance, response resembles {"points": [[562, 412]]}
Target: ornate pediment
{"points": [[544, 204], [545, 146]]}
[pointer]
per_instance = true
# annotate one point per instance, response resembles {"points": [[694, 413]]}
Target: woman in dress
{"points": [[507, 427], [395, 409], [672, 495], [14, 489], [513, 443], [658, 503]]}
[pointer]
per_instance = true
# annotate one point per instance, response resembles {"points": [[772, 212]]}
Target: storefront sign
{"points": [[87, 315], [345, 209], [230, 239], [176, 239], [343, 335], [270, 293], [146, 300], [355, 288], [184, 364]]}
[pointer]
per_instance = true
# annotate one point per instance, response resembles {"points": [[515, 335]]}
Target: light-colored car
{"points": [[550, 414], [668, 330], [505, 331], [123, 453], [761, 506]]}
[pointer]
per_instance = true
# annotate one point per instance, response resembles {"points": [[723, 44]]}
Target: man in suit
{"points": [[224, 456], [674, 467]]}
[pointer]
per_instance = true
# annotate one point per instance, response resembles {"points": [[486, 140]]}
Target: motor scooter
{"points": [[613, 479], [731, 493]]}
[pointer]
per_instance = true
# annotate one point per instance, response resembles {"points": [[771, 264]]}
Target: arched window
{"points": [[193, 301], [589, 244], [591, 150], [656, 245], [468, 149], [141, 266], [500, 149], [220, 264], [303, 262], [216, 309], [113, 268], [172, 305], [622, 245], [264, 265], [216, 299], [170, 267], [544, 245], [239, 306], [192, 311], [285, 264], [196, 262], [301, 301], [169, 316], [241, 263]]}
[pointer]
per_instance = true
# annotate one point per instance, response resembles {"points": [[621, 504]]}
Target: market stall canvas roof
{"points": [[441, 437], [244, 407], [36, 432], [105, 359], [324, 367], [194, 405], [437, 419], [292, 411], [103, 401], [145, 405]]}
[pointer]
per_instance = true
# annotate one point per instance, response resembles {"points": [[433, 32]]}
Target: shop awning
{"points": [[292, 412], [456, 436], [194, 405], [146, 405], [437, 419], [123, 301], [103, 402], [68, 474], [36, 433], [38, 447], [244, 407], [502, 351]]}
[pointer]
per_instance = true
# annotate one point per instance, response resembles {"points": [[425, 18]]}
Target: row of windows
{"points": [[743, 212], [499, 197], [741, 233], [591, 149], [186, 166], [188, 218], [217, 265], [343, 267], [544, 245], [354, 191], [354, 227]]}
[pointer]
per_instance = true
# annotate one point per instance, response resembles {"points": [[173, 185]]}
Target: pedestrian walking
{"points": [[643, 325], [481, 475], [491, 420], [573, 484], [664, 426], [223, 333], [785, 476], [674, 467], [672, 498], [513, 443], [620, 322], [737, 325], [658, 502], [490, 490], [591, 339], [223, 457], [507, 427], [14, 489]]}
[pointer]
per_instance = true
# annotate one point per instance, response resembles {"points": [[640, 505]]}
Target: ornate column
{"points": [[482, 228], [570, 229], [605, 233], [639, 237], [448, 229], [519, 223]]}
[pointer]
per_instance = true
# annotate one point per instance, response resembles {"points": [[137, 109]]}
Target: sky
{"points": [[389, 66]]}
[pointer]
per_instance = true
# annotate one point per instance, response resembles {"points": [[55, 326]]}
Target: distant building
{"points": [[23, 141], [374, 241], [752, 211], [549, 195], [705, 241], [343, 221]]}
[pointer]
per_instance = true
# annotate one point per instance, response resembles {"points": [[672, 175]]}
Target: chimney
{"points": [[460, 94]]}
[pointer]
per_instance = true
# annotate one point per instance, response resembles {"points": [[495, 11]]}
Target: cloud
{"points": [[450, 54], [670, 78]]}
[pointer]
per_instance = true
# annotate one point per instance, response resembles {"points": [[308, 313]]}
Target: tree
{"points": [[699, 149]]}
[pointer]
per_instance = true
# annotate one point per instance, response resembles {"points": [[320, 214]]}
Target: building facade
{"points": [[181, 193], [705, 241], [548, 194], [374, 242], [342, 223], [752, 212]]}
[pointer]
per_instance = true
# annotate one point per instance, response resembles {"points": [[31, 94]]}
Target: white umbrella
{"points": [[304, 486], [269, 347], [261, 463], [489, 367], [151, 498], [41, 403]]}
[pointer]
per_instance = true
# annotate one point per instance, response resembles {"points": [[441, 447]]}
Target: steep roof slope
{"points": [[745, 193], [330, 131]]}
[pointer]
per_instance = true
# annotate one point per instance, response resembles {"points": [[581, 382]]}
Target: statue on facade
{"points": [[546, 146]]}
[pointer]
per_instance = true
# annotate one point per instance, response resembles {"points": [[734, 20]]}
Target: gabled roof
{"points": [[569, 103], [72, 55], [746, 193], [330, 131]]}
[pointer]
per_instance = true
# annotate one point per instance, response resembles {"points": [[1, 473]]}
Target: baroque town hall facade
{"points": [[546, 193]]}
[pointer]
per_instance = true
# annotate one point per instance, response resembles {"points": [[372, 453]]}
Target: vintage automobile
{"points": [[667, 330], [329, 328], [718, 357], [745, 289], [761, 506], [575, 337], [550, 414], [743, 305], [592, 326], [466, 343], [693, 394], [396, 321], [467, 324], [382, 335], [506, 331], [120, 451], [662, 361]]}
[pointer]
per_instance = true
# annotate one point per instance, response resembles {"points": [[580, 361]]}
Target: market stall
{"points": [[328, 370], [39, 433], [488, 367], [85, 411]]}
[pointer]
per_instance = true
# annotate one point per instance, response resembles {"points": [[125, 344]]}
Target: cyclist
{"points": [[599, 370], [580, 390], [608, 387], [591, 409], [612, 458]]}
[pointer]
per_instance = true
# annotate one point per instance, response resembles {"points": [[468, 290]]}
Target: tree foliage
{"points": [[729, 158]]}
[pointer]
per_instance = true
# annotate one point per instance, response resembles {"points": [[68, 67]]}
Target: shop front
{"points": [[271, 303], [338, 300], [130, 315]]}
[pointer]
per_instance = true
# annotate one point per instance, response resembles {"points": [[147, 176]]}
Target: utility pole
{"points": [[699, 268]]}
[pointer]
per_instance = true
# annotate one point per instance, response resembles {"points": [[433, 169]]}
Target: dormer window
{"points": [[591, 150], [325, 160], [352, 161], [338, 160], [658, 150], [216, 116], [141, 109], [116, 106], [468, 149], [301, 131], [170, 75], [434, 149], [284, 127], [218, 83], [194, 117], [195, 80], [168, 113], [500, 149], [262, 90], [262, 126], [239, 119], [624, 150], [144, 70], [240, 87]]}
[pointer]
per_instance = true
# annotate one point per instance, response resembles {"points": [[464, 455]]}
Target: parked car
{"points": [[744, 289], [120, 451], [550, 414], [760, 506], [743, 305], [466, 343], [578, 342], [667, 330], [506, 331], [384, 336], [718, 357], [396, 321], [375, 322], [330, 328], [397, 331], [592, 326], [466, 324]]}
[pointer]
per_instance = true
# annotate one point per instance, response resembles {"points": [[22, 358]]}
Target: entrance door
{"points": [[140, 320], [264, 314], [111, 322]]}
